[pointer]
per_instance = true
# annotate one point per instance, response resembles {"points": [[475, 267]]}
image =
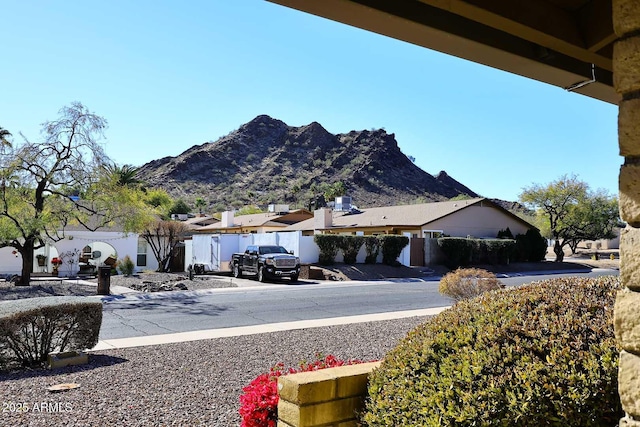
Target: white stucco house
{"points": [[82, 251]]}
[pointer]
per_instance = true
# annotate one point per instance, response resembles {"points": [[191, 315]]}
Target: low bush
{"points": [[126, 266], [540, 355], [465, 283], [259, 402], [328, 245], [391, 247], [372, 246], [350, 246], [32, 328]]}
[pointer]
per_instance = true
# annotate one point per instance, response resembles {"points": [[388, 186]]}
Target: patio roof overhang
{"points": [[566, 43]]}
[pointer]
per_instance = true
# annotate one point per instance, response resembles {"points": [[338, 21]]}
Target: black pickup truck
{"points": [[267, 262]]}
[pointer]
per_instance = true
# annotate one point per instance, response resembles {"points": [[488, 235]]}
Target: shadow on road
{"points": [[173, 302]]}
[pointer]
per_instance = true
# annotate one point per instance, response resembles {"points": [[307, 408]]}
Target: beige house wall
{"points": [[477, 221]]}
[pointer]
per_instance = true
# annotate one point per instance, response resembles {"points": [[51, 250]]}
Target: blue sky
{"points": [[168, 75]]}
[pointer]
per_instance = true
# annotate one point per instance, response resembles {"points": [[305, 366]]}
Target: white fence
{"points": [[303, 247]]}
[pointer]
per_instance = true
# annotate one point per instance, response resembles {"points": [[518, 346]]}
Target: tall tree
{"points": [[57, 182], [4, 138], [572, 212], [200, 204], [163, 237]]}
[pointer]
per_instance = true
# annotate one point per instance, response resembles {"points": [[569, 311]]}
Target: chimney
{"points": [[227, 219], [322, 219]]}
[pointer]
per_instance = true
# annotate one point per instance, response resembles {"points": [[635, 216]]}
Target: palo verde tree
{"points": [[59, 181], [163, 236], [571, 212]]}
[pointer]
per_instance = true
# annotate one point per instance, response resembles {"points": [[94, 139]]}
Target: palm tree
{"points": [[200, 204], [124, 175], [4, 135]]}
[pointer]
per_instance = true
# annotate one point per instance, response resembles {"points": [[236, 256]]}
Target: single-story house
{"points": [[255, 223], [82, 251], [477, 217]]}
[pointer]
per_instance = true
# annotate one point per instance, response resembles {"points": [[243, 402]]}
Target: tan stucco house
{"points": [[255, 223], [477, 217]]}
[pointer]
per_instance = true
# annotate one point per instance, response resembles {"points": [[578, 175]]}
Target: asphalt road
{"points": [[169, 312]]}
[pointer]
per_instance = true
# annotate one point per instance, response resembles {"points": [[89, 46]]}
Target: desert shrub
{"points": [[391, 247], [126, 266], [465, 283], [32, 328], [372, 246], [350, 246], [458, 250], [328, 245], [540, 355], [259, 402]]}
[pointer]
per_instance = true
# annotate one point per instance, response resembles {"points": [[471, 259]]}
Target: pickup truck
{"points": [[267, 262]]}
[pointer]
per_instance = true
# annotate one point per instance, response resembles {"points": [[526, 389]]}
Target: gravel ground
{"points": [[43, 288], [192, 383]]}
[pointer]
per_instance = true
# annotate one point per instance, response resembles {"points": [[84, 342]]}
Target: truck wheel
{"points": [[261, 276], [237, 272], [294, 278]]}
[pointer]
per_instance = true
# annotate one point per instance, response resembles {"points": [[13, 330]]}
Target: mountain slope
{"points": [[266, 161]]}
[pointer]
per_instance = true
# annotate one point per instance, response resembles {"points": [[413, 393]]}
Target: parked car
{"points": [[266, 262]]}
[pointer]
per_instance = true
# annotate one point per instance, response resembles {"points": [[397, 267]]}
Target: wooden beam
{"points": [[424, 25], [534, 20], [596, 23]]}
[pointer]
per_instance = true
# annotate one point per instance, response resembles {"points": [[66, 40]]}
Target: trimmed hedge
{"points": [[461, 251], [531, 247], [541, 355], [372, 246], [32, 328], [392, 246], [350, 246], [329, 245]]}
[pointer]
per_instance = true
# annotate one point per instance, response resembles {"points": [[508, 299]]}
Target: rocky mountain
{"points": [[266, 161]]}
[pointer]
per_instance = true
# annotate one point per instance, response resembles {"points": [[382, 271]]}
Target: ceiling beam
{"points": [[415, 22], [534, 20]]}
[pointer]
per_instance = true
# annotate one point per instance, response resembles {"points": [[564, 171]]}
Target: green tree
{"points": [[571, 212], [4, 138], [179, 207], [125, 175], [200, 204], [58, 182], [163, 238]]}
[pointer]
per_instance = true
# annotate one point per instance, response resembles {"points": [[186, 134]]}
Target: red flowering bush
{"points": [[56, 261], [259, 403]]}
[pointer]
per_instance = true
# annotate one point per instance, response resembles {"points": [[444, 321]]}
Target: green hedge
{"points": [[350, 246], [372, 246], [32, 328], [391, 246], [541, 355], [462, 252], [329, 245]]}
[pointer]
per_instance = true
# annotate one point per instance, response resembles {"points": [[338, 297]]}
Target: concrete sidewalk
{"points": [[258, 329]]}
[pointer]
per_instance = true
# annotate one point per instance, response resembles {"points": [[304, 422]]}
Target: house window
{"points": [[142, 253]]}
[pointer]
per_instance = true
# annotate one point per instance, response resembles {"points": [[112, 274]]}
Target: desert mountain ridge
{"points": [[265, 161]]}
